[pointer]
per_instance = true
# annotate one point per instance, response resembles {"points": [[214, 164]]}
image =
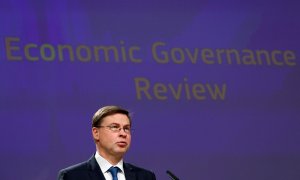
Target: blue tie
{"points": [[114, 172]]}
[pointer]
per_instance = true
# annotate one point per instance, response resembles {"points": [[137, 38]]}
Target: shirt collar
{"points": [[105, 165]]}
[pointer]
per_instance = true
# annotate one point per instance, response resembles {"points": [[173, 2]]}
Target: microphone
{"points": [[171, 175]]}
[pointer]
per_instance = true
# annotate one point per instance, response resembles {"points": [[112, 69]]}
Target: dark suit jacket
{"points": [[90, 170]]}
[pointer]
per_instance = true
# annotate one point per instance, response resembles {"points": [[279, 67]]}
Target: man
{"points": [[111, 130]]}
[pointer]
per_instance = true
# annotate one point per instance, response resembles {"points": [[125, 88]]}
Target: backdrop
{"points": [[213, 86]]}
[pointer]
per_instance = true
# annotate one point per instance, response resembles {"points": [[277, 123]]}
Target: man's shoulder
{"points": [[74, 172], [77, 167], [136, 172], [138, 169], [79, 171]]}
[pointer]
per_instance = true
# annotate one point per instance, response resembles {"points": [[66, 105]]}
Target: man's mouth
{"points": [[122, 144]]}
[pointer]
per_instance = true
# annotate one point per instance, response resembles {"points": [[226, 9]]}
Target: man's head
{"points": [[111, 128], [106, 111]]}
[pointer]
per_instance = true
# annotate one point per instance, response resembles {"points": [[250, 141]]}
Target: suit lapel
{"points": [[129, 173], [95, 171]]}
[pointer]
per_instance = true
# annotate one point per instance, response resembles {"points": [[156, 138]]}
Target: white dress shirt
{"points": [[105, 165]]}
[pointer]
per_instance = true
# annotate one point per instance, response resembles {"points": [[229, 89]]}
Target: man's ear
{"points": [[95, 132]]}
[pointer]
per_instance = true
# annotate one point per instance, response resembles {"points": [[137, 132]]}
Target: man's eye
{"points": [[114, 127]]}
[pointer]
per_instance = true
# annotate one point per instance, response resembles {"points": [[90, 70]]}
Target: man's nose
{"points": [[122, 132]]}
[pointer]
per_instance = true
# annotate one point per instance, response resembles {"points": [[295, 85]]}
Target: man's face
{"points": [[113, 143]]}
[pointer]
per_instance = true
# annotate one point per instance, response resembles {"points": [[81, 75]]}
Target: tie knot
{"points": [[114, 172]]}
